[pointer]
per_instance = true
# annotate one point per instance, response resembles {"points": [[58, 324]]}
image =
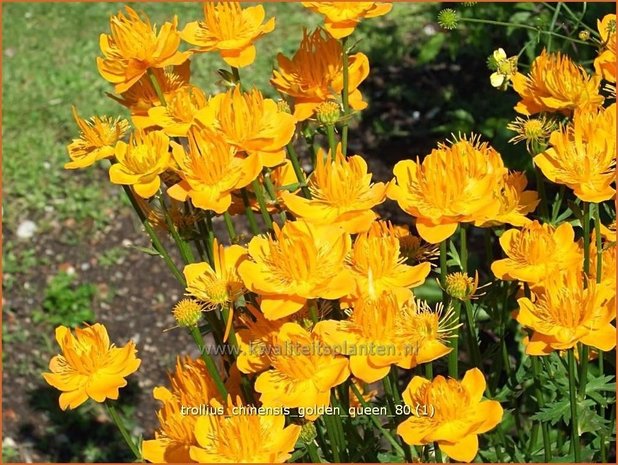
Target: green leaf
{"points": [[431, 48], [389, 457]]}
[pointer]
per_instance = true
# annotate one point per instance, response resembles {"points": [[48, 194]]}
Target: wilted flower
{"points": [[341, 193], [534, 131], [450, 413], [566, 310], [141, 161], [220, 285], [187, 312], [89, 366], [96, 141], [453, 184], [134, 46], [229, 29], [461, 286], [302, 373], [536, 252], [300, 261], [583, 155], [210, 170], [605, 63], [341, 18], [315, 74], [556, 84], [243, 437]]}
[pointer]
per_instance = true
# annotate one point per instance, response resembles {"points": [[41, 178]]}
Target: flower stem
{"points": [[229, 224], [298, 171], [157, 87], [123, 430], [541, 404], [583, 373], [463, 252], [332, 143], [312, 450], [553, 25], [156, 242], [253, 226], [376, 422], [210, 364], [574, 421], [472, 341], [453, 362], [259, 195], [345, 96], [599, 275], [183, 247]]}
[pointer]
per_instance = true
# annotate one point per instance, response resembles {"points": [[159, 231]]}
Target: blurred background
{"points": [[71, 246]]}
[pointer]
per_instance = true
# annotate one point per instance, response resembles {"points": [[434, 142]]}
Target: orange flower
{"points": [[135, 46], [341, 18], [141, 161], [453, 184], [301, 261], [536, 252], [315, 74], [96, 141], [515, 202], [191, 387], [583, 155], [253, 124], [238, 437], [449, 412], [565, 311], [210, 171], [382, 332], [182, 110], [89, 366], [556, 84], [229, 29], [342, 193], [605, 63], [221, 285], [142, 96], [303, 371], [378, 266]]}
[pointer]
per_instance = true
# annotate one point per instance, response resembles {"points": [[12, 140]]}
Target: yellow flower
{"points": [[315, 74], [142, 96], [253, 124], [299, 262], [256, 340], [237, 437], [191, 387], [183, 109], [382, 331], [134, 46], [96, 141], [609, 233], [515, 202], [565, 311], [413, 248], [535, 131], [536, 252], [222, 285], [303, 372], [229, 29], [141, 161], [608, 261], [453, 184], [377, 265], [341, 18], [342, 193], [506, 69], [449, 412], [605, 63], [89, 366], [210, 171], [583, 155], [556, 84]]}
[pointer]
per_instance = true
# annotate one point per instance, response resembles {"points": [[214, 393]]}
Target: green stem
{"points": [[298, 171], [331, 431], [229, 225], [453, 359], [156, 242], [523, 26], [376, 422], [541, 404], [123, 430], [259, 195], [183, 247], [312, 451], [553, 25], [473, 343], [210, 364], [157, 87], [583, 373], [345, 97], [341, 438], [574, 420], [599, 275], [206, 233], [253, 226], [236, 76], [332, 142], [463, 253], [313, 310]]}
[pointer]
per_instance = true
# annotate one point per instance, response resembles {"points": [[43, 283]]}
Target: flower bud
{"points": [[448, 19], [328, 113], [461, 286], [187, 313]]}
